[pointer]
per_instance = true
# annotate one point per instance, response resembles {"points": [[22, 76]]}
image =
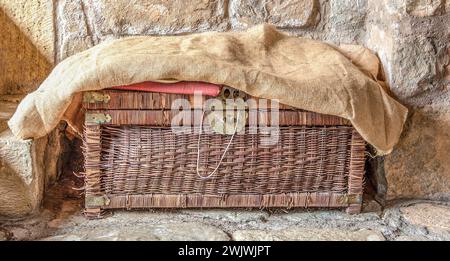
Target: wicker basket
{"points": [[134, 160]]}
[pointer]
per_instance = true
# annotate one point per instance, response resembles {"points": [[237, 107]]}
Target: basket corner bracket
{"points": [[96, 201], [97, 118], [351, 199]]}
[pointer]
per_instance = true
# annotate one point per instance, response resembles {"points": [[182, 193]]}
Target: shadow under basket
{"points": [[135, 162]]}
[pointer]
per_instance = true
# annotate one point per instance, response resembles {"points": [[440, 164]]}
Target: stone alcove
{"points": [[411, 37]]}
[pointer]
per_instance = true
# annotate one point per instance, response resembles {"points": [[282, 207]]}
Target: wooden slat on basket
{"points": [[123, 100], [164, 118]]}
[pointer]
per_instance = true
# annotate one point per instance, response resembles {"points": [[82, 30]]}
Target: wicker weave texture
{"points": [[146, 160]]}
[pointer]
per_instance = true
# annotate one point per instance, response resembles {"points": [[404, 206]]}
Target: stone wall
{"points": [[27, 56], [411, 37], [26, 44]]}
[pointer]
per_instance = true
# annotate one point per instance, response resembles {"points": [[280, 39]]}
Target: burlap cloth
{"points": [[261, 61]]}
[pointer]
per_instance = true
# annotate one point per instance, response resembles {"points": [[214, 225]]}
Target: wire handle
{"points": [[224, 153]]}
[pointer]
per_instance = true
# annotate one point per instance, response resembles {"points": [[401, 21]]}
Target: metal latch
{"points": [[230, 116], [96, 97], [231, 93], [97, 118], [227, 122], [96, 201]]}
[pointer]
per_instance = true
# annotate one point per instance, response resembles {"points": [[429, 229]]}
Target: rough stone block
{"points": [[431, 216], [26, 44], [22, 171], [35, 21], [345, 20], [74, 34], [286, 14], [124, 17], [420, 167], [423, 8], [307, 234], [85, 23], [162, 232], [25, 165]]}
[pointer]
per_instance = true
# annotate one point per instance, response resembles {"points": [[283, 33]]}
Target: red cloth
{"points": [[207, 89]]}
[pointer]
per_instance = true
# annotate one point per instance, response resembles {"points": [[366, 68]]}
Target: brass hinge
{"points": [[96, 201], [97, 118], [96, 97], [351, 199]]}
